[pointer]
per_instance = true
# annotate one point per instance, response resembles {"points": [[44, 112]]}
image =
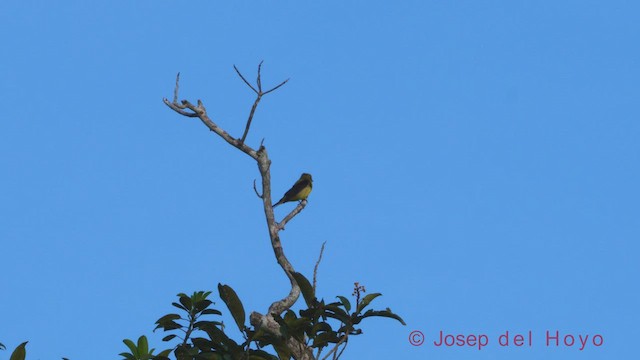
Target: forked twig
{"points": [[259, 95]]}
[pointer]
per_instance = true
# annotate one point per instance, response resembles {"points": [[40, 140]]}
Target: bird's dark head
{"points": [[306, 176]]}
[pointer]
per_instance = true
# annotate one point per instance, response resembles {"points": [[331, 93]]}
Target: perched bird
{"points": [[299, 191]]}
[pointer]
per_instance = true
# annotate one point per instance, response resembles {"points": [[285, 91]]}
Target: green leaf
{"points": [[182, 352], [334, 311], [186, 302], [20, 353], [132, 346], [169, 337], [169, 326], [290, 316], [211, 312], [200, 296], [143, 346], [345, 302], [261, 355], [179, 306], [295, 326], [229, 296], [324, 338], [219, 339], [210, 356], [164, 354], [168, 317], [283, 351], [215, 334], [365, 301], [202, 344], [202, 304], [166, 322], [284, 327], [202, 325], [127, 356], [320, 327], [306, 289], [381, 313]]}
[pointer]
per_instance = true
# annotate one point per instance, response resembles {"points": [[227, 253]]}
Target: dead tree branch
{"points": [[185, 108], [291, 215], [259, 94]]}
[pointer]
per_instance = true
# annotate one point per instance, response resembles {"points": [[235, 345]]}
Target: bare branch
{"points": [[259, 81], [292, 214], [275, 88], [253, 111], [245, 80], [341, 350], [174, 105], [175, 91], [266, 322], [259, 94], [335, 348], [178, 108], [200, 111], [255, 189], [315, 269], [282, 305]]}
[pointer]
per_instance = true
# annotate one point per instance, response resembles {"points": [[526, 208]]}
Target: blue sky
{"points": [[474, 161]]}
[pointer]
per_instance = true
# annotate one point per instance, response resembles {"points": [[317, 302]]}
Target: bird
{"points": [[299, 191]]}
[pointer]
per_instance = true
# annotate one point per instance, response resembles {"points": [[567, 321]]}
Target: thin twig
{"points": [[175, 91], [335, 348], [179, 108], [256, 189], [200, 112], [259, 81], [245, 80], [315, 269], [342, 350], [253, 111], [259, 95], [291, 215], [275, 88]]}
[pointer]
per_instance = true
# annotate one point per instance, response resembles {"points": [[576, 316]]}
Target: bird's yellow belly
{"points": [[303, 194]]}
